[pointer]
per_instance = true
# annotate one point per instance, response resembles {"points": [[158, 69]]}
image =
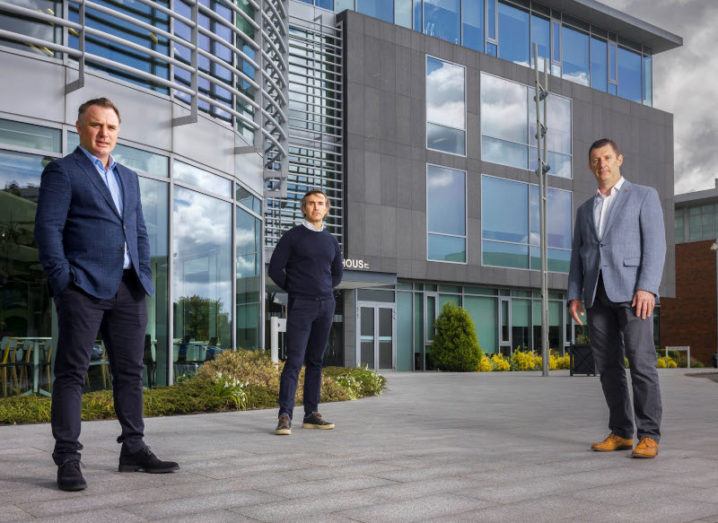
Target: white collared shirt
{"points": [[602, 204], [311, 226]]}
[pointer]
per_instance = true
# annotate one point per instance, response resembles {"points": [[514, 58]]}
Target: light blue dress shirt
{"points": [[109, 176]]}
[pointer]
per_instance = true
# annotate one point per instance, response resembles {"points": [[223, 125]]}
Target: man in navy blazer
{"points": [[94, 248], [619, 248]]}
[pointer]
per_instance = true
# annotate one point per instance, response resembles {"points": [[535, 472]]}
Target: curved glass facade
{"points": [[211, 294], [204, 56]]}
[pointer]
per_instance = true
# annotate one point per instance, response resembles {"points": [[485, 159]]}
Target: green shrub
{"points": [[236, 380], [455, 347]]}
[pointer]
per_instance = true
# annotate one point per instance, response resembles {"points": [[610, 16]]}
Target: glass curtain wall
{"points": [[249, 281], [513, 34], [473, 24], [442, 19]]}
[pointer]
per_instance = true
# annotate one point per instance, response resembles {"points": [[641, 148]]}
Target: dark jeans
{"points": [[122, 321], [308, 324], [612, 327]]}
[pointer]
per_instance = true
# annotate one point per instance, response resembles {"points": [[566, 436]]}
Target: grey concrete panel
{"points": [[402, 112], [389, 233], [372, 238], [404, 236], [372, 176], [403, 70], [389, 181], [354, 108]]}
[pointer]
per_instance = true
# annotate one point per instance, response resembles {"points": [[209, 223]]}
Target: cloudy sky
{"points": [[685, 83]]}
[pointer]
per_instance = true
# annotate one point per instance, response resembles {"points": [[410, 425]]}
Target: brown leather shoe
{"points": [[647, 448], [612, 442]]}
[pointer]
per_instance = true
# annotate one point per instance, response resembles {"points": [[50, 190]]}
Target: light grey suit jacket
{"points": [[630, 255]]}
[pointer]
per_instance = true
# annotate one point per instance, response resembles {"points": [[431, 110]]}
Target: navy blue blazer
{"points": [[79, 232]]}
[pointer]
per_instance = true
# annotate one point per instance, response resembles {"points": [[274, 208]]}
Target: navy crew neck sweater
{"points": [[307, 263]]}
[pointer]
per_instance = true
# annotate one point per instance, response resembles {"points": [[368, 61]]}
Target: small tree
{"points": [[455, 347]]}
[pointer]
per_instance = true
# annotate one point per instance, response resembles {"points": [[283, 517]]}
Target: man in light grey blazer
{"points": [[619, 248]]}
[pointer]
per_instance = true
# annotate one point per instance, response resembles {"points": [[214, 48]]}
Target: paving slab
{"points": [[435, 446]]}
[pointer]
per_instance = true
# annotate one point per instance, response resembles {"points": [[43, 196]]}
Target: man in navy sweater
{"points": [[307, 263]]}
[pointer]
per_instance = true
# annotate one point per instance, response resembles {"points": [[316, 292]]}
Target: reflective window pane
{"points": [[504, 153], [155, 209], [679, 230], [446, 214], [206, 181], [31, 136], [500, 254], [511, 224], [629, 75], [447, 248], [144, 162], [445, 139], [445, 106], [491, 20], [504, 109], [504, 210], [648, 80], [201, 279], [25, 306], [381, 9], [541, 36], [599, 64], [120, 27], [325, 4], [445, 86], [473, 20], [403, 13], [575, 55], [446, 200], [249, 263], [442, 20], [341, 5], [513, 34], [32, 27]]}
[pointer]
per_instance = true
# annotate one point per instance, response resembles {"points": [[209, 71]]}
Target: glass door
{"points": [[376, 336]]}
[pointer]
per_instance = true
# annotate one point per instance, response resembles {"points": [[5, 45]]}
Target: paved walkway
{"points": [[449, 447]]}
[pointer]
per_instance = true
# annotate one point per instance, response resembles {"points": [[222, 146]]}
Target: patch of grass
{"points": [[236, 380]]}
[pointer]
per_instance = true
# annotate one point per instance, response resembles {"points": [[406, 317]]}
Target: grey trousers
{"points": [[613, 327]]}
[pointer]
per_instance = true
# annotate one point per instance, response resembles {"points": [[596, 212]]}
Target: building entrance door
{"points": [[376, 335]]}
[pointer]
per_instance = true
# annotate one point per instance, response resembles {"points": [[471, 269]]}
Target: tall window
{"points": [[575, 55], [513, 34], [599, 64], [541, 36], [629, 75], [445, 106], [508, 126], [445, 214], [201, 279], [473, 23], [249, 262], [511, 229]]}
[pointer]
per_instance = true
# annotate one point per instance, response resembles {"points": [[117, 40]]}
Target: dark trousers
{"points": [[121, 321], [613, 327], [308, 324]]}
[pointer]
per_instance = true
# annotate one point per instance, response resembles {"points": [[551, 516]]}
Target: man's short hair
{"points": [[102, 102], [602, 143], [314, 191]]}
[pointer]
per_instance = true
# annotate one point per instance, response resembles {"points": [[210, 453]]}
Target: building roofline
{"points": [[704, 196], [626, 26]]}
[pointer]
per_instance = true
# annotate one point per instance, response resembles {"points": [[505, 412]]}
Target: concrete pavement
{"points": [[444, 447]]}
